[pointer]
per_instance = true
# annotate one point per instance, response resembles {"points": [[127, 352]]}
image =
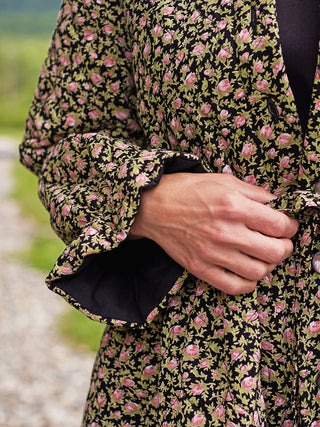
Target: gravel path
{"points": [[43, 381]]}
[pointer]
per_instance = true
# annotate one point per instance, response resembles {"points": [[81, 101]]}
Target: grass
{"points": [[20, 63]]}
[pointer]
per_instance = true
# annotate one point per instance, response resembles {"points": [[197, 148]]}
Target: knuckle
{"points": [[281, 251], [238, 288], [278, 226], [218, 233], [258, 271], [230, 203]]}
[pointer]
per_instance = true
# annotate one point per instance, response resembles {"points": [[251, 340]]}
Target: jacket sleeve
{"points": [[83, 141]]}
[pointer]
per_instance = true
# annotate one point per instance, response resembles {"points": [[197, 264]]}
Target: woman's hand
{"points": [[217, 227]]}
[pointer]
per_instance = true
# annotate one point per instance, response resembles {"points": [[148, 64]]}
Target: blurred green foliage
{"points": [[20, 63]]}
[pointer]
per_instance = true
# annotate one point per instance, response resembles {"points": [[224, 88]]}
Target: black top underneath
{"points": [[299, 36]]}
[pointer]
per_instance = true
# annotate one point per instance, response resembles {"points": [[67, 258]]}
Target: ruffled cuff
{"points": [[112, 279]]}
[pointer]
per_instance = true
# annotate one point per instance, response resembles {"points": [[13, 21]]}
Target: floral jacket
{"points": [[134, 89]]}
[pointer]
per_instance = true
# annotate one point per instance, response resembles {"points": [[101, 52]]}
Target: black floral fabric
{"points": [[128, 89]]}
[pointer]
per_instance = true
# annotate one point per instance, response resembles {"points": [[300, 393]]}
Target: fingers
{"points": [[241, 264], [226, 281], [268, 221]]}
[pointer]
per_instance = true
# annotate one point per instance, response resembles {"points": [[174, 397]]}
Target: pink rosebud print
{"points": [[250, 179], [128, 382], [192, 350], [244, 35], [205, 109], [155, 140], [240, 121], [114, 87], [198, 50], [121, 236], [176, 330], [248, 149], [262, 85], [291, 119], [73, 86], [236, 354], [131, 407], [167, 77], [168, 10], [288, 334], [121, 115], [173, 363], [71, 121], [189, 130], [204, 364], [198, 420], [64, 61], [66, 210], [141, 178], [284, 162], [224, 53], [245, 56], [284, 139], [94, 114], [143, 22], [287, 178], [91, 231], [107, 29], [109, 62], [101, 373], [259, 42], [267, 373], [222, 25], [190, 79], [219, 411], [197, 389], [101, 400], [258, 67], [248, 382], [224, 86], [195, 15], [167, 37], [200, 320], [314, 327], [96, 79], [277, 67], [266, 131], [263, 316], [223, 144], [175, 124], [251, 316], [157, 30], [117, 395], [305, 238], [146, 49], [266, 345], [148, 81], [157, 400], [66, 269], [149, 370], [239, 94]]}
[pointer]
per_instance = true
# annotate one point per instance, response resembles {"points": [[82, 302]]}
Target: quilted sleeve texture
{"points": [[83, 141]]}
